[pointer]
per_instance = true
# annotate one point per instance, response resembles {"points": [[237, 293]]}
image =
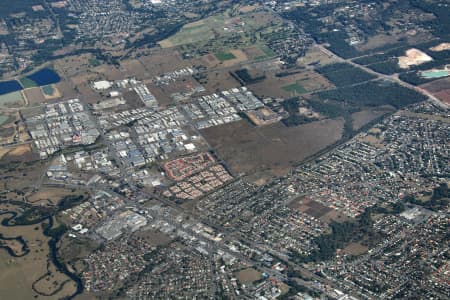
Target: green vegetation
{"points": [[223, 56], [294, 88], [244, 77], [70, 201], [414, 78], [267, 52], [374, 94], [27, 83], [32, 216], [94, 62], [439, 199], [48, 90], [342, 74], [328, 109], [11, 100]]}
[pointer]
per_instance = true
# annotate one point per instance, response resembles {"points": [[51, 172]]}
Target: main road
{"points": [[393, 78]]}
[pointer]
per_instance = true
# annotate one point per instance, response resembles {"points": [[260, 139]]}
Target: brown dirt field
{"points": [[444, 96], [309, 207], [15, 245], [437, 85], [248, 8], [439, 88], [20, 177], [134, 68], [355, 249], [154, 238], [220, 81], [21, 153], [273, 148], [163, 62], [34, 96], [336, 216], [50, 195], [66, 89], [272, 86], [248, 275], [19, 273], [378, 41], [108, 72], [363, 117], [315, 55], [254, 52]]}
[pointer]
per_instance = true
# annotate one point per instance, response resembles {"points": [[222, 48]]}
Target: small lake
{"points": [[44, 77], [9, 86], [434, 74]]}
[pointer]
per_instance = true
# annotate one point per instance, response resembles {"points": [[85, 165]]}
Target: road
{"points": [[392, 78]]}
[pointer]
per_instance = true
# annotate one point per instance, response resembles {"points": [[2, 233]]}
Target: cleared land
{"points": [[52, 196], [439, 88], [295, 83], [355, 249], [361, 118], [248, 275], [12, 100], [271, 149]]}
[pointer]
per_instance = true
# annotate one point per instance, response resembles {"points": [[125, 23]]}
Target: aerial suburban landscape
{"points": [[171, 149]]}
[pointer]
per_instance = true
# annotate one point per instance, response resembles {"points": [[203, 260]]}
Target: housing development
{"points": [[224, 149]]}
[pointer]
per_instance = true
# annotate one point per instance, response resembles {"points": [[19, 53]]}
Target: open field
{"points": [[190, 34], [20, 176], [27, 83], [52, 196], [234, 57], [12, 100], [134, 67], [355, 249], [219, 81], [217, 33], [153, 237], [300, 82], [34, 96], [162, 62], [273, 149], [20, 153], [248, 275], [294, 88], [223, 56], [309, 207], [439, 88], [50, 92], [314, 56], [19, 274], [361, 118]]}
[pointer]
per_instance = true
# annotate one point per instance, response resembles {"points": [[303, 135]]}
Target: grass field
{"points": [[294, 88], [20, 273], [270, 150], [27, 83], [188, 35], [12, 100], [267, 52], [223, 56]]}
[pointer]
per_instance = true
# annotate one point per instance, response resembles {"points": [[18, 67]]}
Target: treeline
{"points": [[244, 77], [342, 74], [439, 200], [374, 94]]}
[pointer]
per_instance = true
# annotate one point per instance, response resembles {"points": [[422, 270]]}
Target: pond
{"points": [[9, 86], [44, 77]]}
